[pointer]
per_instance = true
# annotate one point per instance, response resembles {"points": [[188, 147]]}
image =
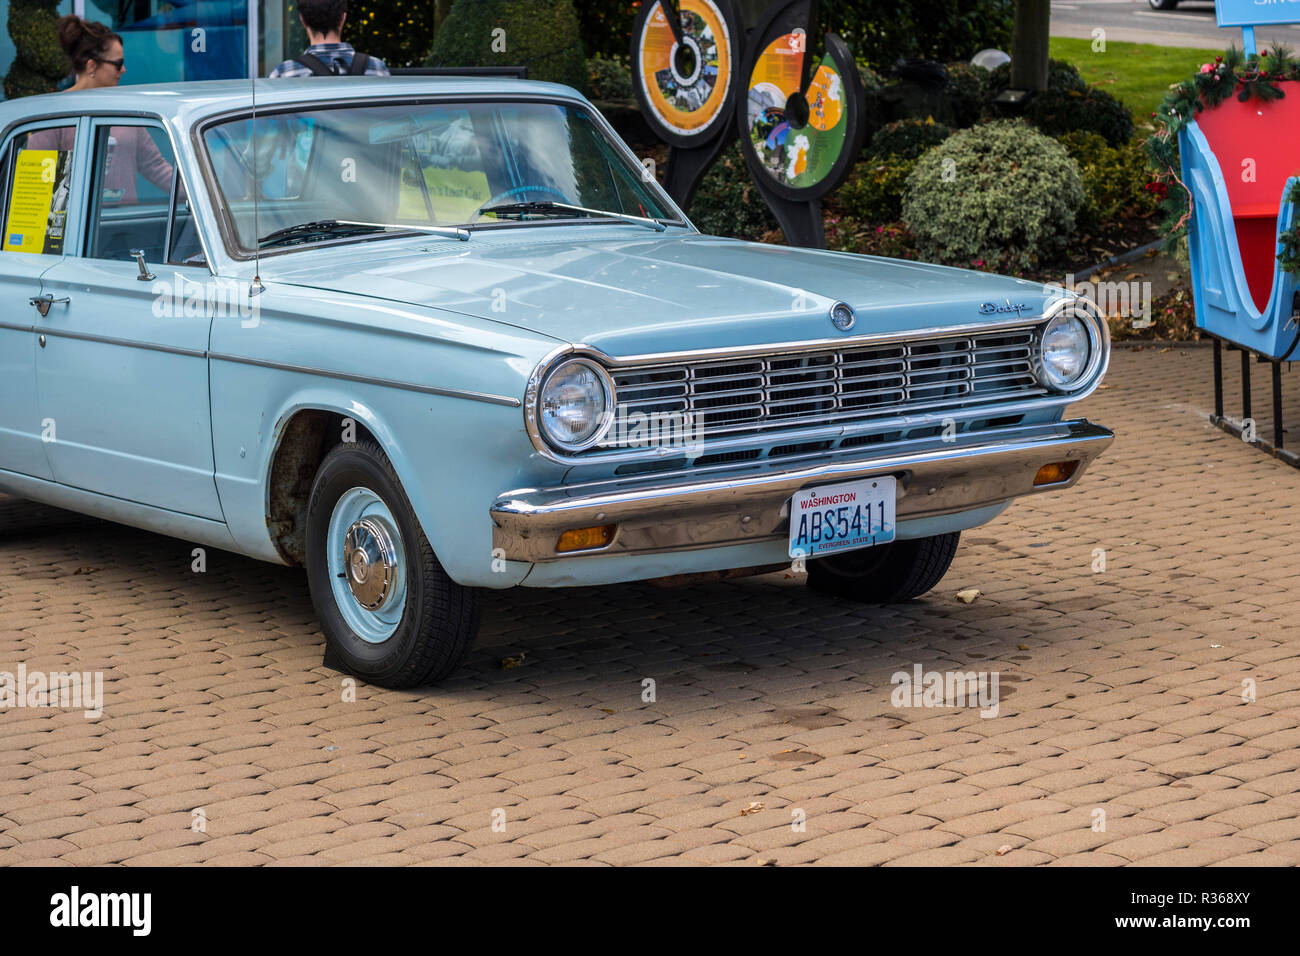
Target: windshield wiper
{"points": [[546, 205], [324, 227], [332, 227]]}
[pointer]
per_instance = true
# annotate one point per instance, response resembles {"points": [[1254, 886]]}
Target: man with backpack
{"points": [[328, 55]]}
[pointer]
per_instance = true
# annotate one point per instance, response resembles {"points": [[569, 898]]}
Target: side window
{"points": [[38, 182], [130, 192]]}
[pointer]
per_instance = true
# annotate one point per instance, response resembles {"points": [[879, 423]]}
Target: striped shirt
{"points": [[337, 56]]}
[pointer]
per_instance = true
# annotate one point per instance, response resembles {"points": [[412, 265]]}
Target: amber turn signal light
{"points": [[1055, 473], [584, 539]]}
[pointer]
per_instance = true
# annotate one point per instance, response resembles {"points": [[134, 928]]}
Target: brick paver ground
{"points": [[1126, 731]]}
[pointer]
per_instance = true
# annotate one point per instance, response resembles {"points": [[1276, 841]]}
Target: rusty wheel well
{"points": [[305, 440]]}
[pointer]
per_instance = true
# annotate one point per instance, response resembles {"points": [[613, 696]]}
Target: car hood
{"points": [[626, 292]]}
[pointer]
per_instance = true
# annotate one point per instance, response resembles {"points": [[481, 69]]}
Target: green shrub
{"points": [[1061, 77], [871, 80], [908, 138], [727, 203], [1114, 179], [873, 114], [609, 78], [882, 31], [539, 34], [874, 191], [878, 31], [39, 62], [1058, 112], [967, 91], [1001, 195], [951, 94], [1068, 104], [607, 26]]}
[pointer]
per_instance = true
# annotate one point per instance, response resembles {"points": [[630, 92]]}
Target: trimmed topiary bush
{"points": [[1096, 111], [727, 203], [539, 34], [908, 138], [1001, 195], [39, 62]]}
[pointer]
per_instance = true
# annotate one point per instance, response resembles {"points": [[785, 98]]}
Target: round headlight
{"points": [[1065, 351], [575, 406]]}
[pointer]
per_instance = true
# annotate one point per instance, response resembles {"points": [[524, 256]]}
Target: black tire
{"points": [[887, 573], [1162, 4], [440, 617]]}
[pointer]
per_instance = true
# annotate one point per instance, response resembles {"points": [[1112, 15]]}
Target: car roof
{"points": [[191, 101]]}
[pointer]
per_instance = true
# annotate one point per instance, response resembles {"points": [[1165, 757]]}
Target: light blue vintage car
{"points": [[431, 336]]}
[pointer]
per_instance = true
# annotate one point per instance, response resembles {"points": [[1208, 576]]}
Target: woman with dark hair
{"points": [[95, 54], [93, 50]]}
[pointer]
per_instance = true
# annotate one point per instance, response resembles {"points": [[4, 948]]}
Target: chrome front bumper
{"points": [[740, 504]]}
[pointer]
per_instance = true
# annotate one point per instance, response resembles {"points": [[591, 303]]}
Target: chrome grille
{"points": [[751, 396]]}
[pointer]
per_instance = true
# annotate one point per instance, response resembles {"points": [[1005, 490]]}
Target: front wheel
{"points": [[887, 573], [389, 611], [1163, 4]]}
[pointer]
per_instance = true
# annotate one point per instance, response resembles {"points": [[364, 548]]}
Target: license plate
{"points": [[835, 518]]}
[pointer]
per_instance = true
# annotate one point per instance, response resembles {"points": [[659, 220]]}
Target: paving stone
{"points": [[1121, 691]]}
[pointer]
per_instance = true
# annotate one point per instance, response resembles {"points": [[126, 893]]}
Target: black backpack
{"points": [[318, 68]]}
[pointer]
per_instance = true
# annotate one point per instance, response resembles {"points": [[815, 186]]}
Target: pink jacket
{"points": [[134, 152]]}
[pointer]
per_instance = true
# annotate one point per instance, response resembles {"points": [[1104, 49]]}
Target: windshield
{"points": [[420, 165]]}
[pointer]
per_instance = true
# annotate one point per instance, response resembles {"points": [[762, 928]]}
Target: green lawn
{"points": [[1139, 74]]}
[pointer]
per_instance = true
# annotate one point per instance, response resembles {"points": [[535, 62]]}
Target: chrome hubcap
{"points": [[371, 559], [367, 565]]}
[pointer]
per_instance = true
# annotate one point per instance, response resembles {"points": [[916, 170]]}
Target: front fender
{"points": [[446, 408]]}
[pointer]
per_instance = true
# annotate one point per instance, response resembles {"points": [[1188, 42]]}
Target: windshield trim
{"points": [[239, 253]]}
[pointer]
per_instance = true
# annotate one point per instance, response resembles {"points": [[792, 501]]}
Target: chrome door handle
{"points": [[43, 303]]}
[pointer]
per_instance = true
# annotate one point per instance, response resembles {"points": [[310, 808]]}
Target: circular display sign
{"points": [[684, 66], [800, 121]]}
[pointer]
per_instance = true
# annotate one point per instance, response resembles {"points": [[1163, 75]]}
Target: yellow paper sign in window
{"points": [[38, 202]]}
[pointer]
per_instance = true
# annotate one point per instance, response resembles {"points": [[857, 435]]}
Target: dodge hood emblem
{"points": [[842, 316]]}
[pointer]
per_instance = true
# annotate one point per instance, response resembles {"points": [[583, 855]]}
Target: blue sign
{"points": [[1250, 13]]}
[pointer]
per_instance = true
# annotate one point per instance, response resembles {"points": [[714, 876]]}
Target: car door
{"points": [[124, 374], [37, 160]]}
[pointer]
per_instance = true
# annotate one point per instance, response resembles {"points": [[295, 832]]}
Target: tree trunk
{"points": [[440, 10], [1029, 45]]}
